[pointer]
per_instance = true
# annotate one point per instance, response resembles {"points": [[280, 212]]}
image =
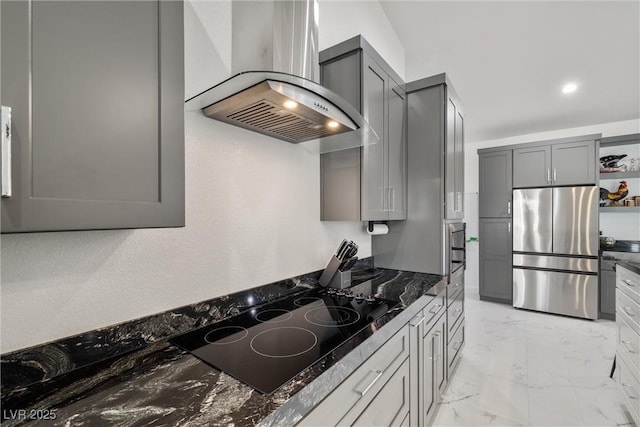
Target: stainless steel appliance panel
{"points": [[532, 220], [556, 262], [456, 240], [575, 220], [554, 292]]}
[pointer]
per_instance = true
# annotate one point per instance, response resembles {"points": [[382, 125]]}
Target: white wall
{"points": [[624, 226], [252, 214], [348, 18]]}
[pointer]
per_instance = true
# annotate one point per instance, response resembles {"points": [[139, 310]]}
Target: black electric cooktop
{"points": [[267, 346]]}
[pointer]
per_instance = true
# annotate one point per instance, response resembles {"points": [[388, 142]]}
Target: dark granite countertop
{"points": [[633, 266], [632, 246], [130, 374]]}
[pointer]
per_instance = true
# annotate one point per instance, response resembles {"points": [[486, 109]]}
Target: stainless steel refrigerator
{"points": [[555, 250]]}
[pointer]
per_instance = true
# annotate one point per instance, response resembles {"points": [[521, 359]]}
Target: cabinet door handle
{"points": [[628, 311], [392, 198], [509, 208], [435, 308], [6, 151], [555, 178], [416, 324], [509, 227], [627, 344], [457, 345], [630, 283], [457, 310], [549, 175], [378, 375], [628, 386]]}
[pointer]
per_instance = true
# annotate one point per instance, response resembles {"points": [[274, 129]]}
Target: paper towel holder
{"points": [[371, 228]]}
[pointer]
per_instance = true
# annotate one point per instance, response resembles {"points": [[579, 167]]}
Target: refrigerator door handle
{"points": [[555, 178]]}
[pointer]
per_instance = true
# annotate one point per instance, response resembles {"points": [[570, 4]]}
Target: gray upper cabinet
{"points": [[97, 91], [569, 161], [366, 183], [495, 184], [574, 163], [532, 166]]}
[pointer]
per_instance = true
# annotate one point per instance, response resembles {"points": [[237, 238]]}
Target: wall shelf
{"points": [[619, 208], [620, 175]]}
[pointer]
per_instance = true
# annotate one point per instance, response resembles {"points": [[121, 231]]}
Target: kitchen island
{"points": [[131, 373]]}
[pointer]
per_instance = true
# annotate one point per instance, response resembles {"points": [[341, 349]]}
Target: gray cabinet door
{"points": [[454, 160], [495, 259], [397, 152], [459, 163], [390, 406], [532, 166], [375, 194], [97, 92], [574, 163], [428, 400], [495, 184], [340, 171], [607, 294]]}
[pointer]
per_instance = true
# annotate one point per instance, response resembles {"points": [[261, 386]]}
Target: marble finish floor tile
{"points": [[523, 368]]}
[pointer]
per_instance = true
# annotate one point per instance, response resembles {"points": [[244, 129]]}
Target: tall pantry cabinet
{"points": [[435, 173], [96, 90], [494, 229]]}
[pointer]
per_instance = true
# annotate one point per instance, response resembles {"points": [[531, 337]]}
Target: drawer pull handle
{"points": [[628, 311], [630, 283], [627, 344], [628, 386], [378, 375], [435, 308], [416, 324]]}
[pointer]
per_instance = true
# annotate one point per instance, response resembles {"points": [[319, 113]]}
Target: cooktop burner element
{"points": [[332, 317], [267, 346], [226, 335], [288, 341]]}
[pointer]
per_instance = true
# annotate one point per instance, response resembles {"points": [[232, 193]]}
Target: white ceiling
{"points": [[508, 60]]}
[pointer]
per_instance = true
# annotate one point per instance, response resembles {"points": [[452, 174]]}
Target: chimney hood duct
{"points": [[273, 89]]}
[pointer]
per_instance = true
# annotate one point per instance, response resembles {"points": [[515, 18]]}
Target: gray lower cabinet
{"points": [[427, 351], [627, 374], [568, 161], [377, 390], [365, 183], [495, 183], [607, 279], [97, 96], [403, 381], [495, 260]]}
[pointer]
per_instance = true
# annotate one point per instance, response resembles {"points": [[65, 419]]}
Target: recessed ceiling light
{"points": [[290, 104], [569, 87]]}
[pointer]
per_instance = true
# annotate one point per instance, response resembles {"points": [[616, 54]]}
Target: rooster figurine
{"points": [[613, 198]]}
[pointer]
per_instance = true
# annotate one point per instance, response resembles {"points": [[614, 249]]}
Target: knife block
{"points": [[341, 280], [329, 271]]}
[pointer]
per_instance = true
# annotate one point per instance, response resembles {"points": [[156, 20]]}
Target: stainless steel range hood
{"points": [[273, 88]]}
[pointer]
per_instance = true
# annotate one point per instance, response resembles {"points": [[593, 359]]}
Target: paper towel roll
{"points": [[378, 229]]}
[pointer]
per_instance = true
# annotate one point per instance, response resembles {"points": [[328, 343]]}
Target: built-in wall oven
{"points": [[456, 249]]}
